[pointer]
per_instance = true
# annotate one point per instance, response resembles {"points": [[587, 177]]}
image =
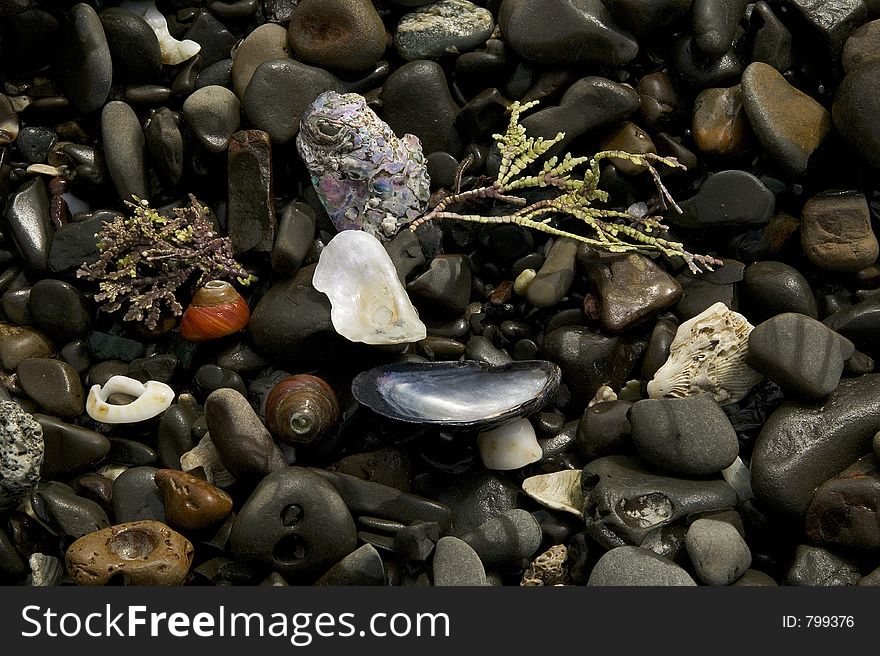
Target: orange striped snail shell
{"points": [[300, 409], [217, 310]]}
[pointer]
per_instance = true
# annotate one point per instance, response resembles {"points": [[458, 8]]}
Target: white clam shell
{"points": [[368, 302], [559, 490], [205, 455], [708, 354], [152, 399], [173, 51], [510, 446]]}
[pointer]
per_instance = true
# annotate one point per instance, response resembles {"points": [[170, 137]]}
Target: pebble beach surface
{"points": [[521, 408]]}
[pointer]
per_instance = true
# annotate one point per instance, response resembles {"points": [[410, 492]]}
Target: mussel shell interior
{"points": [[459, 395]]}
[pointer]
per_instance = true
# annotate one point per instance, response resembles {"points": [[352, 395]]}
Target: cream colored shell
{"points": [[708, 354], [558, 490], [153, 398]]}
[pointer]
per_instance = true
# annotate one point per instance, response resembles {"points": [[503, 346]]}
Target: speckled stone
{"points": [[447, 27], [21, 453]]}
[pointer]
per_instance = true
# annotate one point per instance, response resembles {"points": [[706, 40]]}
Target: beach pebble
{"points": [[21, 453], [718, 552], [635, 566], [447, 27]]}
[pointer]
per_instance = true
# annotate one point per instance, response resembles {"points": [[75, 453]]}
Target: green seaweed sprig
{"points": [[577, 197]]}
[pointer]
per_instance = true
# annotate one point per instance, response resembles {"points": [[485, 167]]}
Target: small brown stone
{"points": [[191, 503], [836, 232], [720, 125], [267, 42], [845, 512], [18, 343], [659, 98], [140, 553], [780, 229], [54, 384], [629, 138]]}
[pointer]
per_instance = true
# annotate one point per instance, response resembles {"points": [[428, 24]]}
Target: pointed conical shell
{"points": [[301, 409]]}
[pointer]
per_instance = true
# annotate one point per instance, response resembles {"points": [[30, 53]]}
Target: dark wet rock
{"points": [[720, 125], [690, 436], [416, 541], [213, 115], [18, 343], [34, 143], [696, 70], [855, 105], [457, 564], [29, 224], [585, 358], [836, 232], [659, 99], [718, 552], [210, 377], [390, 466], [730, 197], [445, 286], [295, 523], [53, 384], [799, 353], [803, 445], [215, 40], [772, 43], [219, 74], [124, 150], [74, 244], [244, 443], [84, 64], [623, 501], [511, 537], [130, 453], [476, 498], [363, 566], [862, 47], [134, 48], [604, 429], [417, 100], [635, 566], [106, 346], [60, 309], [68, 513], [553, 32], [252, 221], [844, 511], [191, 504], [770, 288], [345, 35], [815, 566], [175, 431], [279, 92], [715, 23], [165, 145], [137, 497], [705, 289], [832, 20], [645, 18]]}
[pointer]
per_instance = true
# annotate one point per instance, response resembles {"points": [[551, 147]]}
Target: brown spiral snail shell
{"points": [[217, 310], [300, 409]]}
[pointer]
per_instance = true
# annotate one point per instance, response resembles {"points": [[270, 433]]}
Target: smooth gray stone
{"points": [[377, 500], [67, 512], [164, 142], [245, 445], [74, 244], [771, 288], [799, 354], [278, 93], [251, 207], [802, 445], [213, 113], [623, 501], [363, 566], [690, 436], [754, 578], [457, 564], [54, 385], [815, 566], [123, 141], [511, 537], [555, 276], [295, 523], [854, 110], [296, 232], [83, 64], [635, 566], [136, 496], [718, 552], [29, 224]]}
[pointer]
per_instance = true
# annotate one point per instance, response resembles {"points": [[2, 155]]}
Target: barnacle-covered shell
{"points": [[457, 395], [708, 354], [216, 310], [366, 177], [300, 409]]}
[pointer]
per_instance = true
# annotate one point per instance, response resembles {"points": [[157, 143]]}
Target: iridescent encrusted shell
{"points": [[300, 409], [366, 177], [708, 354]]}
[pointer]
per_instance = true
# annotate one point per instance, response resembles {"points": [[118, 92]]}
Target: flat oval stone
{"points": [[54, 384], [803, 445], [60, 309], [457, 564], [244, 443], [443, 28], [690, 436], [18, 343], [69, 448], [84, 65], [565, 31], [623, 501], [836, 232], [124, 150], [294, 523], [67, 512], [800, 354], [267, 42], [29, 224], [191, 504], [213, 113], [635, 566], [730, 197], [718, 552], [344, 35], [788, 123], [134, 48], [771, 288], [137, 497], [21, 453], [134, 553]]}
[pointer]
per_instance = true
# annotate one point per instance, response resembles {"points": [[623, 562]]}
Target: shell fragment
{"points": [[152, 398]]}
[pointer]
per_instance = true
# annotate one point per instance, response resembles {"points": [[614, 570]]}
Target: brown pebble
{"points": [[629, 138], [140, 553], [191, 503], [836, 232], [720, 124]]}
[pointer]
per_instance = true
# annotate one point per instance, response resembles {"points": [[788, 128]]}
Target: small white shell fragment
{"points": [[510, 446], [46, 571], [603, 395], [559, 490], [152, 398], [523, 281], [112, 471], [368, 302], [173, 51], [739, 478], [708, 354], [205, 455]]}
